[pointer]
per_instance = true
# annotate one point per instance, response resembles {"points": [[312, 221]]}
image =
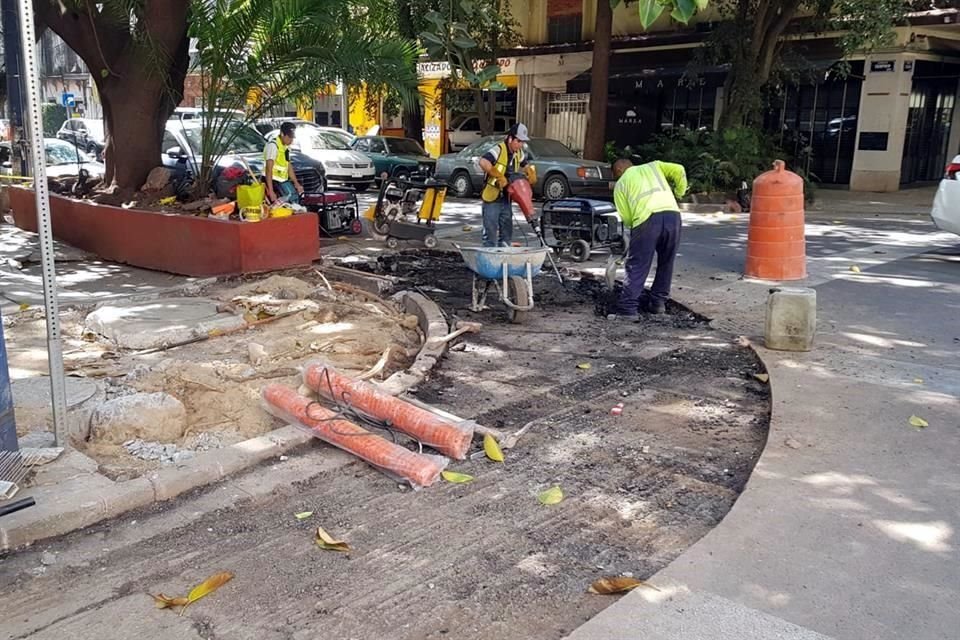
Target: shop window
{"points": [[564, 21]]}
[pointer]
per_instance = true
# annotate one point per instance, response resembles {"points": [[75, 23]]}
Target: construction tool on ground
{"points": [[397, 216], [461, 327], [429, 429]]}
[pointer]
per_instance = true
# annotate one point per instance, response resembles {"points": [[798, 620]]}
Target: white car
{"points": [[946, 204], [342, 164], [63, 159], [465, 129]]}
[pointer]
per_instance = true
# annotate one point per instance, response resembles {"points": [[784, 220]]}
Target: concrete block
{"points": [[170, 482]]}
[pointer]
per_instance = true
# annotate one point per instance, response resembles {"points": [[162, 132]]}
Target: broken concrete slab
{"points": [[156, 323], [32, 406], [153, 416]]}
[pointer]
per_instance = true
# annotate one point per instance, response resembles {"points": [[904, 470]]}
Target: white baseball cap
{"points": [[519, 131]]}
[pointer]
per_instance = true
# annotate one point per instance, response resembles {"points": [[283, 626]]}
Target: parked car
{"points": [[464, 130], [561, 173], [62, 158], [193, 113], [86, 133], [266, 125], [946, 204], [395, 157], [343, 165], [181, 152]]}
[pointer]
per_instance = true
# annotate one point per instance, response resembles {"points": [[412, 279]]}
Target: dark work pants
{"points": [[659, 234]]}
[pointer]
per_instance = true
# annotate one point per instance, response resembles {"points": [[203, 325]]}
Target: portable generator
{"points": [[337, 210], [581, 226], [408, 209]]}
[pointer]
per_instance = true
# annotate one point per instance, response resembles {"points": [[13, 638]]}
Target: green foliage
{"points": [[257, 55], [53, 116], [680, 10], [720, 161]]}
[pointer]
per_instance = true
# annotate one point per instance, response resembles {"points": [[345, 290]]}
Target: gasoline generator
{"points": [[408, 209], [337, 210], [582, 225]]}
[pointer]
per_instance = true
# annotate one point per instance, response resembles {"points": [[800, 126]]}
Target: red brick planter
{"points": [[169, 242]]}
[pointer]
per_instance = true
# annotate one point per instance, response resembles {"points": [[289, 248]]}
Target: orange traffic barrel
{"points": [[776, 249]]}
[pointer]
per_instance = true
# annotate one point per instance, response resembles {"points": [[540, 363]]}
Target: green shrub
{"points": [[53, 116]]}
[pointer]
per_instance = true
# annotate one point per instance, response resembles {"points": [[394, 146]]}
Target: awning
{"points": [[648, 72]]}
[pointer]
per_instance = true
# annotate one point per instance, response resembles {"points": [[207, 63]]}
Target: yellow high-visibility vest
{"points": [[281, 168], [491, 192], [646, 189]]}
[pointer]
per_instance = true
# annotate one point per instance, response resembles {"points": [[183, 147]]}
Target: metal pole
{"points": [[31, 74]]}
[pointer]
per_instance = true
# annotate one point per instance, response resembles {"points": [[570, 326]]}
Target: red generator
{"points": [[338, 211]]}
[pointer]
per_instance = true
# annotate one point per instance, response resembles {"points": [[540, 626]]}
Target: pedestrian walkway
{"points": [[849, 526]]}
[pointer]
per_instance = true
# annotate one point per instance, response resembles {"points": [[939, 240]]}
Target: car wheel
{"points": [[556, 187], [460, 185], [402, 174]]}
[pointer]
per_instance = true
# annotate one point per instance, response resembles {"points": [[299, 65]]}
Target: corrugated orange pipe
{"points": [[287, 404], [432, 430]]}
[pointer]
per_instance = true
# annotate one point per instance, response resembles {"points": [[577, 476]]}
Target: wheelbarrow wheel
{"points": [[392, 242], [519, 293], [430, 241], [580, 250]]}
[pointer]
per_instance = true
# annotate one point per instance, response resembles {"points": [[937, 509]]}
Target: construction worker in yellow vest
{"points": [[280, 177], [503, 163], [646, 198]]}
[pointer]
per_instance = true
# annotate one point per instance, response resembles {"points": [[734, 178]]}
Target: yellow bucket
{"points": [[250, 214]]}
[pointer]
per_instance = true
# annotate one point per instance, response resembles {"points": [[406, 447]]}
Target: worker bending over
{"points": [[646, 197], [502, 164], [280, 177]]}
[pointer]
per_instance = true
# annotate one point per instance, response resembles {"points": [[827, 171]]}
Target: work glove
{"points": [[501, 179], [531, 172]]}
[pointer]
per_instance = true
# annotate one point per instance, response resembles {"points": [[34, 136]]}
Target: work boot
{"points": [[624, 318], [655, 306]]}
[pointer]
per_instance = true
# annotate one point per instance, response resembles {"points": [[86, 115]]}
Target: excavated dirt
{"points": [[219, 380]]}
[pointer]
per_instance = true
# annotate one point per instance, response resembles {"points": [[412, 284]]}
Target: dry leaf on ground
{"points": [[303, 515], [584, 365], [492, 449], [762, 377], [166, 602], [455, 477], [325, 541], [855, 269], [918, 422], [553, 495], [207, 587], [617, 584], [918, 380]]}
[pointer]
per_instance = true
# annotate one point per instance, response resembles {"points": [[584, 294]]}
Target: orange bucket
{"points": [[776, 248]]}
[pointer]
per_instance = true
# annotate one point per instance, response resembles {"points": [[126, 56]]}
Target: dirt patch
{"points": [[219, 380]]}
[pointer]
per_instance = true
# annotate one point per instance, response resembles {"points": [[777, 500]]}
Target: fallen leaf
{"points": [[342, 238], [303, 515], [492, 449], [918, 380], [456, 478], [918, 422], [207, 587], [762, 377], [855, 268], [325, 541], [166, 602], [617, 584], [467, 229], [553, 495], [584, 365], [24, 306]]}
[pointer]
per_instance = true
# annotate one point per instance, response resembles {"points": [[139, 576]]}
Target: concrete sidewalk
{"points": [[848, 528]]}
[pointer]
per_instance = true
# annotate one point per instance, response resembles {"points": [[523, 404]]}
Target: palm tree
{"points": [[256, 55]]}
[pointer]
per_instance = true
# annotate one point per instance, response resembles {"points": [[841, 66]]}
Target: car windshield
{"points": [[63, 153], [245, 139], [546, 148], [405, 146], [480, 147], [313, 138]]}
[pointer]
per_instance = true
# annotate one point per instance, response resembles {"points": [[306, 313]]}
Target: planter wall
{"points": [[179, 244]]}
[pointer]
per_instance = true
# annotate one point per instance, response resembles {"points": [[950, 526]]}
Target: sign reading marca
{"points": [[432, 70]]}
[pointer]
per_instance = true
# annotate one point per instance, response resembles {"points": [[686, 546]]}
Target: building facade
{"points": [[889, 121]]}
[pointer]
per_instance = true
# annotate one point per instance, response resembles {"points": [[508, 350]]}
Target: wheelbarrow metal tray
{"points": [[487, 262]]}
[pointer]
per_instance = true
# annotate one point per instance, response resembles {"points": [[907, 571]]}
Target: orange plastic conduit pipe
{"points": [[287, 404], [435, 432]]}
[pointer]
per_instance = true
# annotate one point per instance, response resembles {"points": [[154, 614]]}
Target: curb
{"points": [[61, 509]]}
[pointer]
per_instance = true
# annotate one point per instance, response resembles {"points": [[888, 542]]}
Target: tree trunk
{"points": [[593, 147]]}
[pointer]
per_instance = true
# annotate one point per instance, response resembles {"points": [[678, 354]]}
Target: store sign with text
{"points": [[442, 69]]}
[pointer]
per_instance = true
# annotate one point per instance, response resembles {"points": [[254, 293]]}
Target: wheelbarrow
{"points": [[510, 270]]}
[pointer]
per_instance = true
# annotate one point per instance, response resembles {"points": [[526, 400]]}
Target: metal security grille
{"points": [[928, 128], [567, 115]]}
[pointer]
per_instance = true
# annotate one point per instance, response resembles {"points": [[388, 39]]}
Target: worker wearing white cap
{"points": [[503, 163]]}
